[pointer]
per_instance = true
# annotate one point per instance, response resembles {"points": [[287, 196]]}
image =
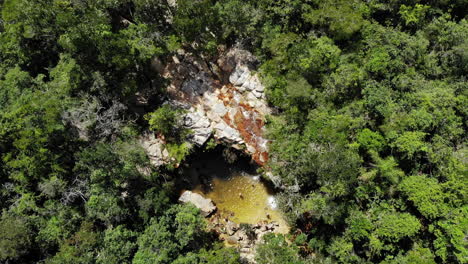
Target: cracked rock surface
{"points": [[229, 104]]}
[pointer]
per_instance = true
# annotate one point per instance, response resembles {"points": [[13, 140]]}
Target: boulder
{"points": [[231, 228], [242, 236], [232, 240], [199, 126], [270, 226], [155, 149], [244, 80], [236, 56], [205, 205]]}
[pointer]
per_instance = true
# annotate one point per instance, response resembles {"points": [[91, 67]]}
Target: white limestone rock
{"points": [[220, 109], [155, 149], [199, 125], [223, 131], [205, 205]]}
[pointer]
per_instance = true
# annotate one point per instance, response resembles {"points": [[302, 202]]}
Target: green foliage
{"points": [[214, 256], [239, 18], [312, 159], [167, 121], [211, 144], [196, 21], [322, 207], [371, 109], [140, 42], [318, 55], [387, 169], [450, 243], [15, 238], [368, 128], [370, 140], [411, 142], [179, 152], [395, 226], [58, 223], [344, 84], [181, 229], [359, 225], [105, 207], [413, 15], [342, 250], [426, 194], [276, 250], [32, 132], [118, 246], [340, 18], [153, 203], [79, 248], [417, 255]]}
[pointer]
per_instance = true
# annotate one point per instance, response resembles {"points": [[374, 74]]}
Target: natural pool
{"points": [[237, 191]]}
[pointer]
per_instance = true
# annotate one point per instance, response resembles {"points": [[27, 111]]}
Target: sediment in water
{"points": [[236, 188]]}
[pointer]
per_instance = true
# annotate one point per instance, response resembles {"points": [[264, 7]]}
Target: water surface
{"points": [[237, 192]]}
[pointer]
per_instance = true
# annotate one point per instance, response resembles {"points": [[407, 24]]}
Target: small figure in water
{"points": [[268, 216], [241, 196]]}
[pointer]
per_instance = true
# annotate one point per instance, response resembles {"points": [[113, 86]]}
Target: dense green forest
{"points": [[370, 123]]}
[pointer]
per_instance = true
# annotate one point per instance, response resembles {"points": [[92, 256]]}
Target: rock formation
{"points": [[243, 237], [224, 100], [155, 149], [228, 102], [205, 205]]}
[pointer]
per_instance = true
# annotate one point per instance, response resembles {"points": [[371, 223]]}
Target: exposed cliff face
{"points": [[155, 149], [224, 99]]}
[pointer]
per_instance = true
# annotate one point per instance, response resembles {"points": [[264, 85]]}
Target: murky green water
{"points": [[238, 194], [244, 199]]}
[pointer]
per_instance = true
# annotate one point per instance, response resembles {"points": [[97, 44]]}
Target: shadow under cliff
{"points": [[203, 165]]}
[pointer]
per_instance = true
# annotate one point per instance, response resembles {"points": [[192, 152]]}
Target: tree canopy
{"points": [[367, 136]]}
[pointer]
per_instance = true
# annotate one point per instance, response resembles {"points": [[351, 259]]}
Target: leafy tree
{"points": [[393, 226], [214, 256], [167, 121], [118, 246], [368, 128], [276, 250], [341, 18], [196, 22], [15, 238], [413, 15], [417, 255], [370, 140], [342, 250], [449, 243], [179, 231], [359, 225], [79, 248], [154, 202], [426, 194], [240, 19], [105, 207]]}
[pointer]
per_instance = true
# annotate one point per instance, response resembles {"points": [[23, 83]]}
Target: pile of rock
{"points": [[244, 238]]}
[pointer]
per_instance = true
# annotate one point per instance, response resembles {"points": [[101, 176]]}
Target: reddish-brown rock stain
{"points": [[249, 124]]}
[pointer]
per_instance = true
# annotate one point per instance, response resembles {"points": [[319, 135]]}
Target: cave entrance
{"points": [[230, 179]]}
